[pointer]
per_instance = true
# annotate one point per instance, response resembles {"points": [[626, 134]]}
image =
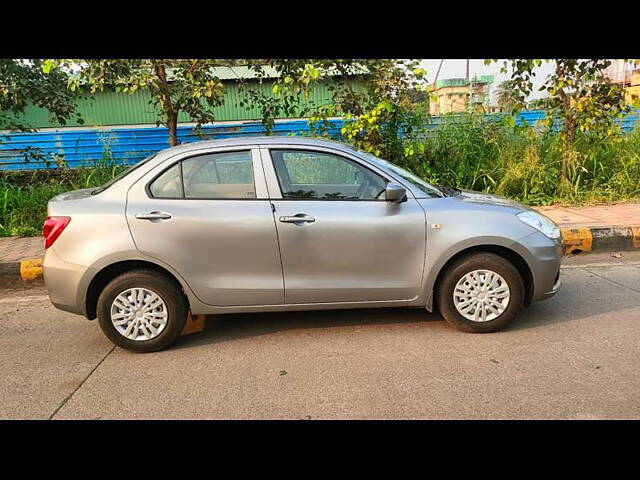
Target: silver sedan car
{"points": [[283, 223]]}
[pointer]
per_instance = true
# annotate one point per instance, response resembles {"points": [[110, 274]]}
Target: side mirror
{"points": [[395, 193]]}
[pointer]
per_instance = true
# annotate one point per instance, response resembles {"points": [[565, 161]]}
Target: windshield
{"points": [[424, 187], [121, 175]]}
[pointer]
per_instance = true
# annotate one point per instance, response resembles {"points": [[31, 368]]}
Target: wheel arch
{"points": [[509, 254], [112, 270]]}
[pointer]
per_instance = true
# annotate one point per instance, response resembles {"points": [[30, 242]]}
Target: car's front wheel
{"points": [[480, 293], [142, 311]]}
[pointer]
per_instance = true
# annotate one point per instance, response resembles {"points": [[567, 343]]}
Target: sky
{"points": [[456, 69]]}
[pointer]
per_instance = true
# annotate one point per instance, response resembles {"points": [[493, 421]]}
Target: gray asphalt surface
{"points": [[575, 356]]}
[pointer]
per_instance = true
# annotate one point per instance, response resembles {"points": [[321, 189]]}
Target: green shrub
{"points": [[524, 164], [24, 196], [465, 152]]}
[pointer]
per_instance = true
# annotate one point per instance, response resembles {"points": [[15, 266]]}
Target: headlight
{"points": [[540, 222]]}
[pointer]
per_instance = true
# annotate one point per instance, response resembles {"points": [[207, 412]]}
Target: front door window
{"points": [[323, 176]]}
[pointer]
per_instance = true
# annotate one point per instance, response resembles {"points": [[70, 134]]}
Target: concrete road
{"points": [[575, 356]]}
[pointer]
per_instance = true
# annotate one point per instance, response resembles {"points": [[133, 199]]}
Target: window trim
{"points": [[244, 148], [320, 150]]}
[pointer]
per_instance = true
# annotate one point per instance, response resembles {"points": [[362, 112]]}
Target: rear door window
{"points": [[227, 175], [219, 175]]}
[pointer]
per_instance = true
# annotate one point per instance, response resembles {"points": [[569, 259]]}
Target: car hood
{"points": [[469, 196], [73, 195]]}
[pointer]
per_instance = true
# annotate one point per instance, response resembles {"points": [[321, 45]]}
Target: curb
{"points": [[28, 272], [600, 239]]}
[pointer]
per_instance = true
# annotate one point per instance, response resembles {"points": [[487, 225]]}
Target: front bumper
{"points": [[544, 257], [553, 291]]}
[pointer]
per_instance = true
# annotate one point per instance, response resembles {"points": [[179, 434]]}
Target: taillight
{"points": [[53, 227]]}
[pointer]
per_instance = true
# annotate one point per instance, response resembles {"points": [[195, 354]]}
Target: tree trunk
{"points": [[172, 124], [165, 101], [569, 128], [567, 134]]}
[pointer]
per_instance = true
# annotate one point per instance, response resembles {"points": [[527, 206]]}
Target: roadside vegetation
{"points": [[525, 163], [24, 195], [578, 155], [522, 163]]}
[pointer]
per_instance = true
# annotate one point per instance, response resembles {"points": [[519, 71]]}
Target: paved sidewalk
{"points": [[622, 214], [15, 249]]}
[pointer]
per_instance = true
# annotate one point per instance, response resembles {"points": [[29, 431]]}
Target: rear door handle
{"points": [[153, 216], [298, 218]]}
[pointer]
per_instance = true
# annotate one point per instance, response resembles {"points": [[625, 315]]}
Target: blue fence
{"points": [[82, 147], [127, 145], [627, 123]]}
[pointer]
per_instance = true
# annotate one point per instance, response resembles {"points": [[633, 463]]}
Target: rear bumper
{"points": [[63, 280]]}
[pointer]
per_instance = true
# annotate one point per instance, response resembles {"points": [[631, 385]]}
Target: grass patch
{"points": [[24, 195], [522, 164]]}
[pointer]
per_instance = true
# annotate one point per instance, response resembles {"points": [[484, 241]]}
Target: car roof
{"points": [[262, 140], [278, 140]]}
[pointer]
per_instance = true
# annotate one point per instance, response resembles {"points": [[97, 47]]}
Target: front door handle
{"points": [[153, 216], [298, 218]]}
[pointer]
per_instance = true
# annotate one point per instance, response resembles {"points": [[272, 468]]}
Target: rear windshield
{"points": [[121, 175]]}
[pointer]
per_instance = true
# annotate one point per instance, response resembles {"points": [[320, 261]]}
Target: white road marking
{"points": [[26, 298], [602, 264]]}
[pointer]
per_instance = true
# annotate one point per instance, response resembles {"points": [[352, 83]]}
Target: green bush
{"points": [[24, 197], [465, 152], [524, 164]]}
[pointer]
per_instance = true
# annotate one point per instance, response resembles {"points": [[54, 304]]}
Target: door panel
{"points": [[348, 246], [353, 251], [226, 250]]}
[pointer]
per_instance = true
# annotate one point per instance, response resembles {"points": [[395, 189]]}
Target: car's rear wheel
{"points": [[480, 293], [142, 311]]}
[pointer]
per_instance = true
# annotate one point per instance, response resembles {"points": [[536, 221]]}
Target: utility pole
{"points": [[434, 84], [438, 72], [470, 87]]}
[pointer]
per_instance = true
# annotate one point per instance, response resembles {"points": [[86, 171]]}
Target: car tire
{"points": [[172, 308], [466, 279]]}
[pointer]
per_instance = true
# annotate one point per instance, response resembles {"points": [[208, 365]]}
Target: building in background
{"points": [[110, 109], [123, 128], [632, 89], [619, 71], [623, 73], [459, 95]]}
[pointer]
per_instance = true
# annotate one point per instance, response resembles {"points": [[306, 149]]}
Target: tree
{"points": [[539, 103], [32, 82], [385, 113], [388, 116], [507, 96], [175, 85], [293, 78], [580, 96]]}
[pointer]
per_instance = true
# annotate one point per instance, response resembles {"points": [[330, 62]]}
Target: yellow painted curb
{"points": [[31, 269], [636, 237], [576, 239], [193, 324]]}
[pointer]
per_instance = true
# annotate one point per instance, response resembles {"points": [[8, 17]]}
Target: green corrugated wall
{"points": [[110, 108]]}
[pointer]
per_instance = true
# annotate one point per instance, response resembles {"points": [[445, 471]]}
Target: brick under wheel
{"points": [[142, 311], [480, 293]]}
